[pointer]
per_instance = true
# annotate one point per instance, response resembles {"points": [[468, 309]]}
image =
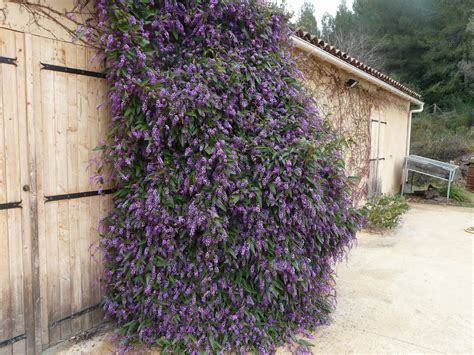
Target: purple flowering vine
{"points": [[232, 206]]}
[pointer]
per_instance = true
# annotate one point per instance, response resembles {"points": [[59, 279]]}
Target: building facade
{"points": [[369, 109]]}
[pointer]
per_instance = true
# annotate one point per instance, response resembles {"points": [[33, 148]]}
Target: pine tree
{"points": [[449, 44], [344, 19], [307, 19]]}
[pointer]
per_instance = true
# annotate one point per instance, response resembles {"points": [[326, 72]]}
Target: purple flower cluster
{"points": [[232, 205]]}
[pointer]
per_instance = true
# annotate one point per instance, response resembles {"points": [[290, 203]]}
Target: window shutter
{"points": [[377, 155]]}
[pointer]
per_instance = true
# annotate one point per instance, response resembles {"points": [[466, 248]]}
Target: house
{"points": [[50, 122], [366, 106]]}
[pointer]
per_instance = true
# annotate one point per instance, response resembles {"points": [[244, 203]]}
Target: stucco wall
{"points": [[394, 145]]}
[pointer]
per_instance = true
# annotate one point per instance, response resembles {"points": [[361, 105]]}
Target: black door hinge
{"points": [[7, 60], [73, 70], [78, 195], [9, 205]]}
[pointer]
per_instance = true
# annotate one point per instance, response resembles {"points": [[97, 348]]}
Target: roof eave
{"points": [[326, 56]]}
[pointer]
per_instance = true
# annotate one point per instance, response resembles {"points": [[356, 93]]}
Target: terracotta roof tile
{"points": [[314, 40]]}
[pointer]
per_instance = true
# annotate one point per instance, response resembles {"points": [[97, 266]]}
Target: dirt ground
{"points": [[407, 291]]}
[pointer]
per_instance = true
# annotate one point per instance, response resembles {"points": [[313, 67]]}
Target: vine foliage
{"points": [[232, 205]]}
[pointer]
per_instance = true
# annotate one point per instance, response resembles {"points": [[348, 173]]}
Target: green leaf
{"points": [[258, 194], [305, 343], [214, 344], [209, 150], [100, 147], [143, 42], [272, 188]]}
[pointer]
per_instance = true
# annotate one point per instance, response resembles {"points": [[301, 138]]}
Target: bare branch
{"points": [[68, 20], [359, 46]]}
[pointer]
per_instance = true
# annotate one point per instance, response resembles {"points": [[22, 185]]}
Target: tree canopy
{"points": [[426, 44], [307, 19]]}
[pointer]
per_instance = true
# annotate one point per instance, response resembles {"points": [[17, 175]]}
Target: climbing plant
{"points": [[232, 204]]}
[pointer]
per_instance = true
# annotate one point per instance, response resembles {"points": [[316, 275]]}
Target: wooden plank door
{"points": [[377, 158], [51, 119], [16, 302], [70, 122]]}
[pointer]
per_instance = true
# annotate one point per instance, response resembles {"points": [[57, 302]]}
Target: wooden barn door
{"points": [[16, 302], [51, 119], [69, 91]]}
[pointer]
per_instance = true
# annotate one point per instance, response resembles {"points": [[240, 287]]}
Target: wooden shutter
{"points": [[377, 157]]}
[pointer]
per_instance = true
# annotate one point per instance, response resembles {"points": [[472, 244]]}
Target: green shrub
{"points": [[443, 136], [457, 193], [384, 211]]}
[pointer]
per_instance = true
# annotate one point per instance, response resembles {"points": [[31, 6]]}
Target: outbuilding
{"points": [[368, 108]]}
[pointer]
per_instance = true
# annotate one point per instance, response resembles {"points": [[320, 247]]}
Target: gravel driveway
{"points": [[409, 291]]}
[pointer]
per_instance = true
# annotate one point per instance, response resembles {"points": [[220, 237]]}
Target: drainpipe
{"points": [[417, 110], [407, 144]]}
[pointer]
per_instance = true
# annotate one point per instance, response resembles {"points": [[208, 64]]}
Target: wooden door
{"points": [[52, 116], [377, 158], [71, 118], [16, 302]]}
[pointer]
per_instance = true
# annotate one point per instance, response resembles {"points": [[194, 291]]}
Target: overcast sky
{"points": [[321, 6]]}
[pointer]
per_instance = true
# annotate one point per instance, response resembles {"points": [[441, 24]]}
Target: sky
{"points": [[321, 6]]}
